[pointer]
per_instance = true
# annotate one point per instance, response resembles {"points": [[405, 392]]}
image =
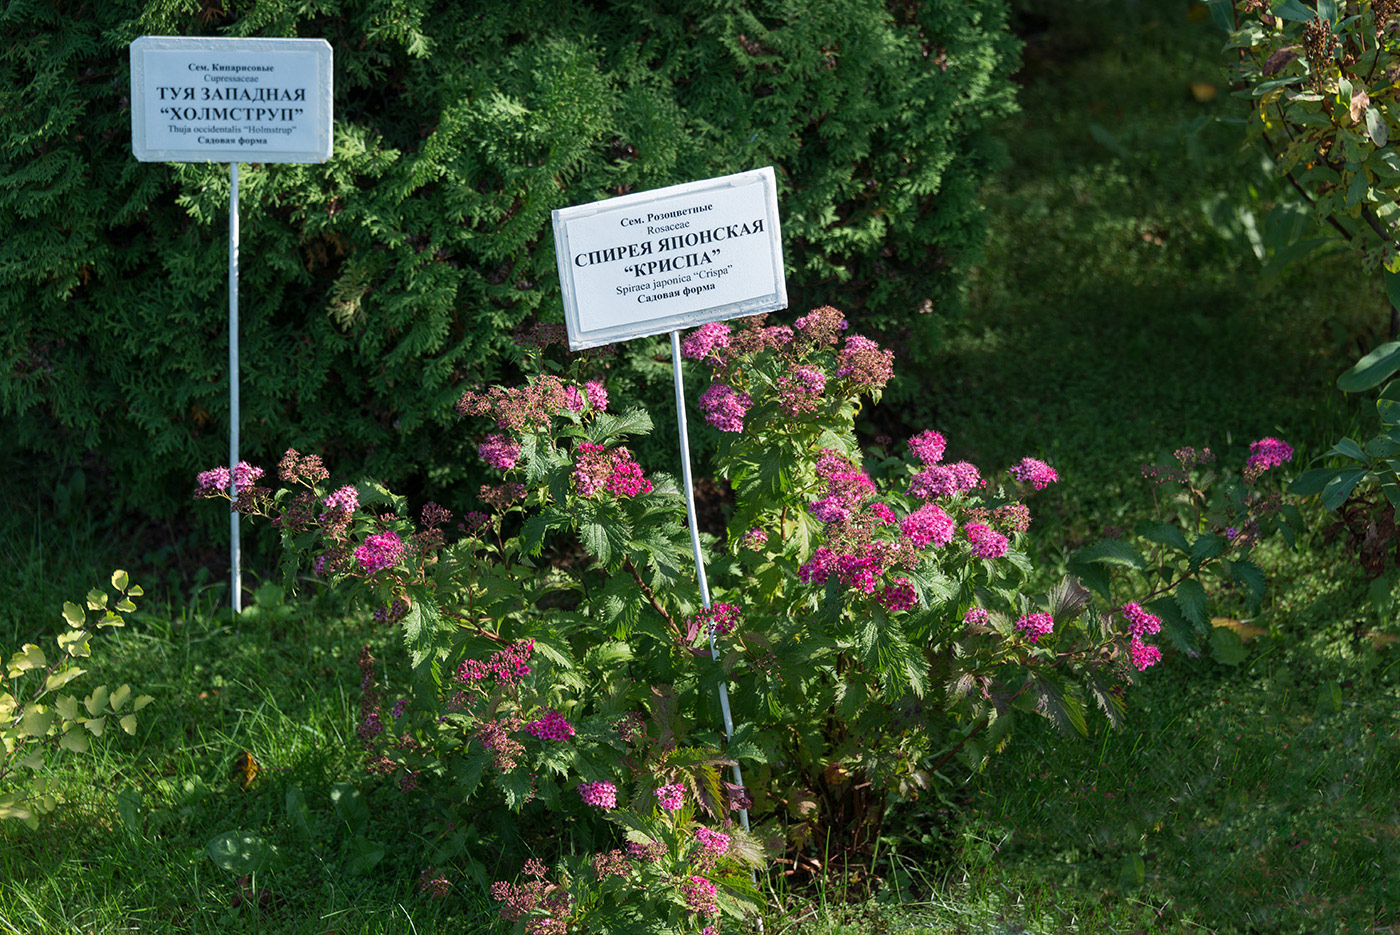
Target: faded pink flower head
{"points": [[498, 452], [599, 794]]}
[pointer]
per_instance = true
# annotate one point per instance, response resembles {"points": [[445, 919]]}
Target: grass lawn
{"points": [[1121, 311]]}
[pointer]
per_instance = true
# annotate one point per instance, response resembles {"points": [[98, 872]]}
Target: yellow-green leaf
{"points": [[111, 619], [96, 726], [73, 614], [30, 657], [128, 723], [135, 590], [36, 722], [141, 702], [67, 707], [35, 759], [62, 677], [7, 705], [120, 580], [120, 696], [125, 606], [74, 740], [96, 701], [76, 642], [96, 600], [12, 807]]}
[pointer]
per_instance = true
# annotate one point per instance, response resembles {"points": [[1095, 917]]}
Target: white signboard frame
{"points": [[200, 99], [671, 258]]}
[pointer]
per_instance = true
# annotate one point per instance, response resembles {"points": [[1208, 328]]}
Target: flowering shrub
{"points": [[871, 620]]}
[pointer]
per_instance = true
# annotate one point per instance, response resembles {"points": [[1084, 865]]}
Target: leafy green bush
{"points": [[38, 718], [377, 285], [874, 620]]}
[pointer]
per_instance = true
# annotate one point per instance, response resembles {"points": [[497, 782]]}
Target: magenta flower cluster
{"points": [[754, 539], [1036, 473], [670, 797], [928, 447], [707, 342], [597, 468], [720, 619], [217, 479], [550, 727], [499, 452], [976, 617], [986, 541], [725, 407], [598, 794], [1140, 624], [898, 596], [801, 391], [1264, 454], [945, 480], [344, 500], [928, 525], [1036, 625], [506, 667], [380, 551], [712, 842]]}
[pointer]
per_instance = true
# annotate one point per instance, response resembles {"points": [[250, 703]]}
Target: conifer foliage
{"points": [[378, 285]]}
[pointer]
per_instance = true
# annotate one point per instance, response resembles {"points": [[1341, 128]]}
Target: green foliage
{"points": [[378, 284], [38, 719]]}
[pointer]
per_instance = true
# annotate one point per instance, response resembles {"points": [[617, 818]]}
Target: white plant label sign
{"points": [[671, 258], [230, 100]]}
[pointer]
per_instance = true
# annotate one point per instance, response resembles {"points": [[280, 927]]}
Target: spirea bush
{"points": [[872, 621], [376, 286]]}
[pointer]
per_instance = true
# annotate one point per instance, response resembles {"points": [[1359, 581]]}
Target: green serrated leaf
{"points": [[74, 741], [67, 707]]}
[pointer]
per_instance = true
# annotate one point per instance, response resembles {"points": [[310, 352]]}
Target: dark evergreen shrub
{"points": [[376, 286]]}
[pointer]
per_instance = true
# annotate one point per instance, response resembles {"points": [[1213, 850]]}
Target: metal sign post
{"points": [[658, 261], [196, 99]]}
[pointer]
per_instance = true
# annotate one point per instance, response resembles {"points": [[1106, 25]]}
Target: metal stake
{"points": [[235, 559], [695, 547]]}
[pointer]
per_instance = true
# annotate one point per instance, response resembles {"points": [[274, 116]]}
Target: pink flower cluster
{"points": [[593, 394], [754, 539], [499, 452], [725, 407], [646, 852], [670, 797], [550, 727], [720, 618], [820, 326], [945, 480], [380, 551], [928, 447], [1144, 655], [800, 391], [699, 896], [527, 900], [986, 541], [597, 469], [712, 842], [865, 363], [708, 342], [928, 525], [898, 596], [1036, 473], [1036, 625], [598, 794], [1140, 624], [217, 479], [506, 667], [345, 500], [1264, 454], [976, 617]]}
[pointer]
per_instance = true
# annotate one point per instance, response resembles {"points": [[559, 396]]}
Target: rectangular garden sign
{"points": [[671, 258], [196, 99]]}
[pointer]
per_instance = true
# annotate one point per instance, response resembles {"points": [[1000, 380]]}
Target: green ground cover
{"points": [[1121, 312]]}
